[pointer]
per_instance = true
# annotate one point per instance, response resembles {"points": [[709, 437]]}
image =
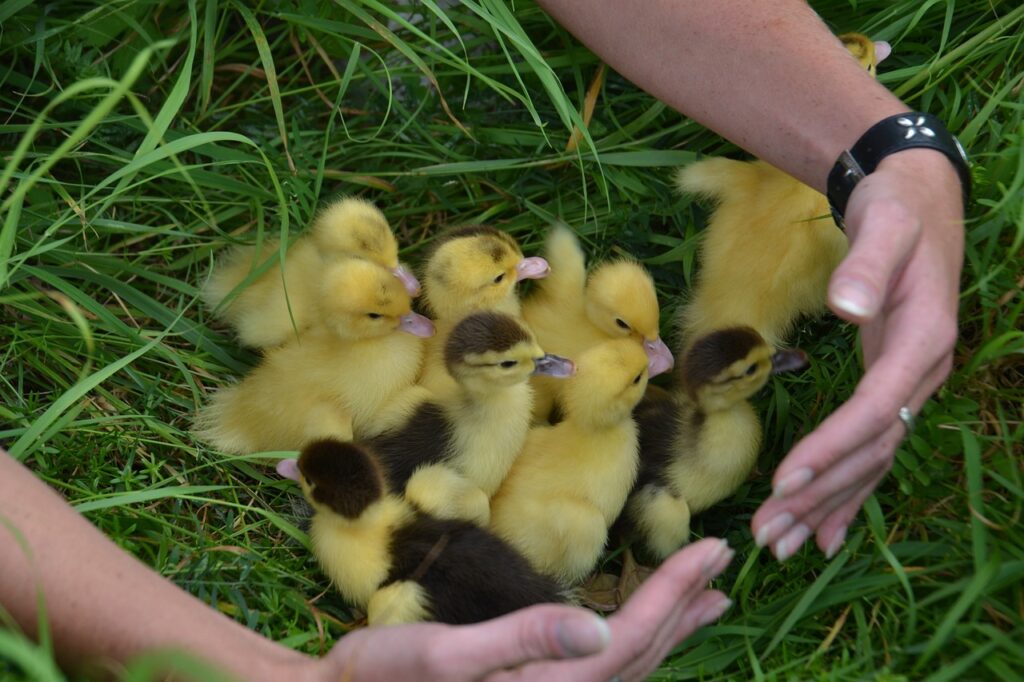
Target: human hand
{"points": [[900, 284], [548, 641]]}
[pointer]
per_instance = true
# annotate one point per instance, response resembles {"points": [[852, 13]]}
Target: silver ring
{"points": [[907, 417]]}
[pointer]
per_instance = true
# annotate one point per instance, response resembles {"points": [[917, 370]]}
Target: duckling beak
{"points": [[288, 468], [659, 357], [532, 268], [788, 360], [408, 280], [417, 325], [554, 366], [882, 50]]}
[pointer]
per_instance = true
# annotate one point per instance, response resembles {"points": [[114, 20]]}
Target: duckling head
{"points": [[355, 227], [868, 53], [361, 300], [489, 349], [477, 268], [729, 365], [610, 380], [621, 302], [336, 477]]}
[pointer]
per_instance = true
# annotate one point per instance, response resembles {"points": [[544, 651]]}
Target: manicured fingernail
{"points": [[583, 635], [791, 541], [717, 559], [773, 528], [854, 297], [837, 543], [715, 611], [793, 481]]}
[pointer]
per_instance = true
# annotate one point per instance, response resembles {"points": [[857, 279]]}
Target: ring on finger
{"points": [[908, 419]]}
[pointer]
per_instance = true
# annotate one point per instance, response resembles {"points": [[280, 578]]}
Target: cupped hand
{"points": [[548, 641], [900, 284]]}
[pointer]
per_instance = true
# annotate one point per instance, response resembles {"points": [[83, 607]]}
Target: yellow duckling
{"points": [[570, 312], [699, 443], [454, 450], [335, 378], [571, 480], [264, 311], [771, 245], [471, 269], [397, 563]]}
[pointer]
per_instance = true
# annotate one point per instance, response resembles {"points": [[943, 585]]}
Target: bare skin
{"points": [[106, 607], [773, 79]]}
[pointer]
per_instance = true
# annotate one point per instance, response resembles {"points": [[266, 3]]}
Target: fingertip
{"points": [[582, 634], [857, 299]]}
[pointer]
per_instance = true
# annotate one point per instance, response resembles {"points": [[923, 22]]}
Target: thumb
{"points": [[543, 632], [883, 231]]}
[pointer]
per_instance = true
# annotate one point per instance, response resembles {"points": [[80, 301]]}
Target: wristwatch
{"points": [[888, 136]]}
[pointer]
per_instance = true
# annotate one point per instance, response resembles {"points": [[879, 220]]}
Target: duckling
{"points": [[333, 379], [570, 312], [278, 304], [471, 269], [771, 245], [398, 563], [454, 450], [700, 442], [571, 480]]}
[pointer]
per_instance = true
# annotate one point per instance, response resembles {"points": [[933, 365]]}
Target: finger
{"points": [[545, 632], [883, 232], [660, 600], [708, 606], [833, 528], [914, 364]]}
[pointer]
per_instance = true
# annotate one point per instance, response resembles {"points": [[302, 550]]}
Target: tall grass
{"points": [[141, 137]]}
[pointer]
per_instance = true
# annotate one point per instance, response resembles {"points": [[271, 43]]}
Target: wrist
{"points": [[896, 136]]}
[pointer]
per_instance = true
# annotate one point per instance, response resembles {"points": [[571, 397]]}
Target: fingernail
{"points": [[791, 541], [793, 481], [715, 611], [854, 297], [583, 635], [837, 543], [777, 525], [717, 559]]}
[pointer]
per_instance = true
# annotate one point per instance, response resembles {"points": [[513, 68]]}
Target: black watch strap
{"points": [[888, 136]]}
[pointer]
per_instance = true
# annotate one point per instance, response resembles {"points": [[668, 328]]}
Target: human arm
{"points": [[773, 79], [105, 606]]}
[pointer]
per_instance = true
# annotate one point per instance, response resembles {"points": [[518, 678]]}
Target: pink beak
{"points": [[882, 50], [659, 357], [408, 280], [288, 468], [532, 268], [417, 325]]}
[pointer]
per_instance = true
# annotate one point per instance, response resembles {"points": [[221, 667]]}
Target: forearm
{"points": [[103, 604], [769, 76]]}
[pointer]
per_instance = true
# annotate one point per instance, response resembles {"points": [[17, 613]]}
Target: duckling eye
{"points": [[497, 280], [750, 370], [374, 316], [638, 378], [507, 364], [622, 323]]}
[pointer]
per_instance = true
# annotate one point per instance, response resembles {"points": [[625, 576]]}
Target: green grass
{"points": [[141, 137]]}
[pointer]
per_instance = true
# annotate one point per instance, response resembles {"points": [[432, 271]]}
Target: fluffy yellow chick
{"points": [[332, 380], [570, 312], [264, 311], [397, 563], [571, 480], [454, 450], [699, 443], [771, 245], [471, 269]]}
